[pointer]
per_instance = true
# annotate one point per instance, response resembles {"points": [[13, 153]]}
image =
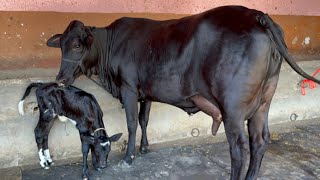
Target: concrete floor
{"points": [[294, 153]]}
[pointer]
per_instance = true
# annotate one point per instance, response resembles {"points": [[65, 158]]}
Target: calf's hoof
{"points": [[144, 150], [44, 165], [50, 163], [85, 177]]}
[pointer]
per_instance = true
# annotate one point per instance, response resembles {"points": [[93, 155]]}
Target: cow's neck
{"points": [[104, 46]]}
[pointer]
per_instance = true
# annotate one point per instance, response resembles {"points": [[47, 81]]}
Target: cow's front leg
{"points": [[85, 151], [130, 102], [144, 112]]}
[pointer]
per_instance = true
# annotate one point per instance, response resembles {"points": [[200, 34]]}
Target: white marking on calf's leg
{"points": [[47, 156], [20, 108], [43, 161]]}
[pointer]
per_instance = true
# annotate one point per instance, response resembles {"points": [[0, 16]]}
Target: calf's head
{"points": [[100, 149], [77, 57]]}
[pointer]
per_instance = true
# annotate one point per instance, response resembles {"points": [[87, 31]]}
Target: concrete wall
{"points": [[167, 123]]}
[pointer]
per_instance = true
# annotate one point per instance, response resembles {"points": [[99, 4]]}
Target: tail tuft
{"points": [[20, 107]]}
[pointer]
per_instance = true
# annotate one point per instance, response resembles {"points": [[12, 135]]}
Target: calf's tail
{"points": [[276, 35], [26, 93]]}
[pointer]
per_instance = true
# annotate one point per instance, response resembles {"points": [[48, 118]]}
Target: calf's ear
{"points": [[115, 137], [54, 41]]}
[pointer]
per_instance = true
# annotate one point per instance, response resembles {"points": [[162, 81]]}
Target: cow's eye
{"points": [[77, 46]]}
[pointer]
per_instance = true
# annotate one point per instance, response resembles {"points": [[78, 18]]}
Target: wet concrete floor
{"points": [[294, 153]]}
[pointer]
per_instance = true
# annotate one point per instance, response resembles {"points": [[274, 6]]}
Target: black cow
{"points": [[82, 110], [224, 62]]}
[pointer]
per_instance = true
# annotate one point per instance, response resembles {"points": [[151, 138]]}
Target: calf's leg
{"points": [[85, 152], [45, 147], [94, 159], [144, 112], [41, 132]]}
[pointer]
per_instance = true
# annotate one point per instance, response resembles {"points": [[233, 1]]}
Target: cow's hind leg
{"points": [[258, 130], [41, 135], [143, 121], [210, 109], [259, 138], [238, 143]]}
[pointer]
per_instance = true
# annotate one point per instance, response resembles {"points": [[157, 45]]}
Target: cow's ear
{"points": [[89, 37], [89, 41], [115, 137], [54, 41]]}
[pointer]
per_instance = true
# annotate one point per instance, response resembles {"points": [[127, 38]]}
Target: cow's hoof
{"points": [[50, 163], [47, 167], [144, 150], [98, 169], [124, 164]]}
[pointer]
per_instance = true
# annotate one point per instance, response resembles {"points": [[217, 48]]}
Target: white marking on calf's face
{"points": [[105, 143]]}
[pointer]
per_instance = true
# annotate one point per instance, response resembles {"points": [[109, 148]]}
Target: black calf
{"points": [[81, 109]]}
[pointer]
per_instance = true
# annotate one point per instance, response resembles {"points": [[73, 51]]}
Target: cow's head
{"points": [[77, 59], [101, 147]]}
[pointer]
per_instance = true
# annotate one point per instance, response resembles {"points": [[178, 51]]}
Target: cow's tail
{"points": [[276, 35], [26, 93]]}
